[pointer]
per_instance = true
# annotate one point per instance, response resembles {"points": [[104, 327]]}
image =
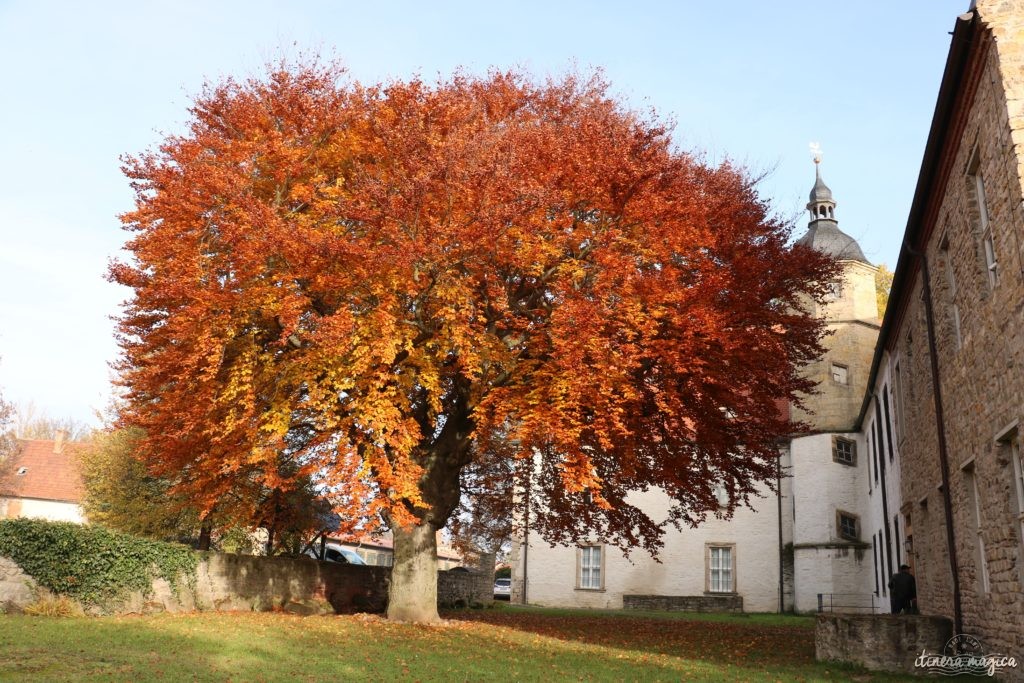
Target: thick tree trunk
{"points": [[413, 594], [205, 534]]}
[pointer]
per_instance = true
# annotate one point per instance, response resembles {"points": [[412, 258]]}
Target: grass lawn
{"points": [[501, 644]]}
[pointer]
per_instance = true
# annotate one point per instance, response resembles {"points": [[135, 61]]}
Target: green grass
{"points": [[504, 644]]}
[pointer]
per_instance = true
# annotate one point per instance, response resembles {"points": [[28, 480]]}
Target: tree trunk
{"points": [[205, 533], [413, 594]]}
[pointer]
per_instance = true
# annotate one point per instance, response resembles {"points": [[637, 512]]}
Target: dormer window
{"points": [[22, 471]]}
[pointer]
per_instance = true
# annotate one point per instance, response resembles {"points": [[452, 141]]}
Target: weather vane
{"points": [[815, 152]]}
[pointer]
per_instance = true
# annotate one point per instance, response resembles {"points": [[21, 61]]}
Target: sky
{"points": [[752, 82]]}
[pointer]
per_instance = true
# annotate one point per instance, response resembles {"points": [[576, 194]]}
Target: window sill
{"points": [[590, 590], [724, 594]]}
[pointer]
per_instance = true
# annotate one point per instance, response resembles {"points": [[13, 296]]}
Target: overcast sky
{"points": [[755, 82]]}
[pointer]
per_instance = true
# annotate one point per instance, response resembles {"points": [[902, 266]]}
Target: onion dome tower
{"points": [[823, 231]]}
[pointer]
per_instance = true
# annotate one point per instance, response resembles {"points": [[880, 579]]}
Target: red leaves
{"points": [[383, 285]]}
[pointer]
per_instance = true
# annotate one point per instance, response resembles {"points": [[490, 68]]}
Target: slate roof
{"points": [[820, 192], [46, 475], [825, 236]]}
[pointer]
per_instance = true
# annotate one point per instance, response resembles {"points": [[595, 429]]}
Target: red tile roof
{"points": [[47, 475]]}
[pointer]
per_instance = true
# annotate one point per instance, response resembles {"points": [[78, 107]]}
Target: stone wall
{"points": [[852, 324], [684, 603], [879, 643], [979, 331], [458, 588], [16, 589], [248, 583]]}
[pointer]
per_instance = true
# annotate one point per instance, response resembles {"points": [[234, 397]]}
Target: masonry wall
{"points": [[852, 324], [981, 370], [889, 644], [249, 583]]}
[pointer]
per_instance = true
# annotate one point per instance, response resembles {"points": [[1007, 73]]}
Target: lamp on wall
{"points": [[908, 545]]}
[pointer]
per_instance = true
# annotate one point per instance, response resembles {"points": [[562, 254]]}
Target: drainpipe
{"points": [[940, 425], [526, 538], [778, 498]]}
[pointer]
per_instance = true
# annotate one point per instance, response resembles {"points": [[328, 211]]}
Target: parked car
{"points": [[503, 589], [336, 553]]}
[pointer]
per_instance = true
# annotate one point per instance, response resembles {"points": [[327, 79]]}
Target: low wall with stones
{"points": [[16, 588], [249, 583], [879, 642], [684, 603]]}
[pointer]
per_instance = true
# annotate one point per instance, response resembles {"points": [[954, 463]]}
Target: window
{"points": [[847, 526], [590, 568], [881, 563], [898, 401], [981, 216], [879, 444], [867, 435], [1010, 444], [991, 265], [844, 451], [896, 535], [839, 373], [888, 419], [874, 552], [952, 309], [974, 504], [721, 569]]}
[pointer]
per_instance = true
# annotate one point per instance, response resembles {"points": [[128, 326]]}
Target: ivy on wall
{"points": [[92, 564]]}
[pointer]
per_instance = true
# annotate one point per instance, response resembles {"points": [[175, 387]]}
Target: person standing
{"points": [[903, 591]]}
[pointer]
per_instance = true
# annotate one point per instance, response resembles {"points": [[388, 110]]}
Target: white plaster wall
{"points": [[873, 500], [52, 510], [842, 573], [681, 570], [820, 487]]}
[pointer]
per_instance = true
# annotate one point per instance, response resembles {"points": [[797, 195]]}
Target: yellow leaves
{"points": [[348, 269]]}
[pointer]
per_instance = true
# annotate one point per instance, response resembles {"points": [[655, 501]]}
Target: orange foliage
{"points": [[394, 287]]}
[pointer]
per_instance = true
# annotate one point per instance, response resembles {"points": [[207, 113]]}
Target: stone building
{"points": [[915, 450], [949, 368], [827, 467]]}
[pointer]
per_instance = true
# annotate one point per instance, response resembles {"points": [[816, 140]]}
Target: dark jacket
{"points": [[902, 586]]}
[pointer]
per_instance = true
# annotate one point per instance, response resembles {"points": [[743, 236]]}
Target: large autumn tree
{"points": [[397, 287]]}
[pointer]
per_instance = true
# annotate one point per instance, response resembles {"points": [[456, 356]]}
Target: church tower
{"points": [[827, 467], [852, 319]]}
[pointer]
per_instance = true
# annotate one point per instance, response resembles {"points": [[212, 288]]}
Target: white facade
{"points": [[554, 574], [824, 561], [52, 510], [885, 527]]}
